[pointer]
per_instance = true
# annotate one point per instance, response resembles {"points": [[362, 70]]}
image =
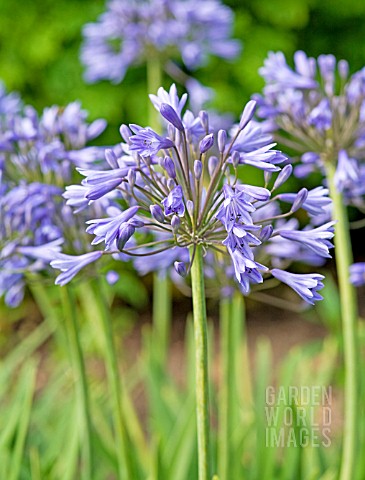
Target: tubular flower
{"points": [[184, 193]]}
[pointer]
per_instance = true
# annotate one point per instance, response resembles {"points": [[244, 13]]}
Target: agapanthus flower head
{"points": [[37, 161], [317, 110], [129, 33], [184, 193]]}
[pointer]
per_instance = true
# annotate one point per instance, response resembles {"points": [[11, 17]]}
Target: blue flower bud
{"points": [[266, 233], [180, 268], [131, 177], [204, 119], [125, 133], [235, 158], [222, 139], [190, 207], [267, 177], [175, 223], [125, 233], [198, 169], [206, 143], [343, 69], [283, 176], [212, 165], [111, 158], [169, 167], [171, 116], [247, 114], [157, 213], [299, 199]]}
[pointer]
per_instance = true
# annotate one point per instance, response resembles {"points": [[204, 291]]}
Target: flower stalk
{"points": [[201, 363], [125, 469], [73, 330], [349, 317]]}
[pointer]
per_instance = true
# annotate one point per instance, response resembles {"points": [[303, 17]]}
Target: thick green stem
{"points": [[154, 79], [161, 314], [349, 315], [73, 331], [226, 386], [233, 381], [111, 364], [201, 363]]}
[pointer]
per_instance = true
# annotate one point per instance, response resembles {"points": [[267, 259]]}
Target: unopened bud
{"points": [[131, 177], [175, 223], [111, 158], [283, 176], [157, 213], [235, 158], [190, 207], [206, 143], [171, 116], [299, 199], [180, 268], [204, 120], [212, 165], [222, 139], [247, 114], [266, 233], [198, 169], [125, 233], [169, 167], [125, 133]]}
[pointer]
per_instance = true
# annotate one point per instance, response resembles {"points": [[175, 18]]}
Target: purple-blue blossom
{"points": [[167, 201], [306, 285], [128, 33], [36, 162], [317, 109]]}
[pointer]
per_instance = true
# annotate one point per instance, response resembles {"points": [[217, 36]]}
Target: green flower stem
{"points": [[201, 363], [154, 81], [226, 384], [349, 315], [111, 363], [232, 382], [161, 313], [73, 331]]}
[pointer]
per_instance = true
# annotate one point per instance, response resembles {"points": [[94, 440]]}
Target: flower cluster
{"points": [[183, 189], [318, 110], [37, 159], [128, 33]]}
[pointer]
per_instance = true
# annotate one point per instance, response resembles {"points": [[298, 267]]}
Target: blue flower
{"points": [[186, 199], [316, 239], [306, 285], [112, 229], [174, 203], [70, 265], [147, 142], [126, 33]]}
